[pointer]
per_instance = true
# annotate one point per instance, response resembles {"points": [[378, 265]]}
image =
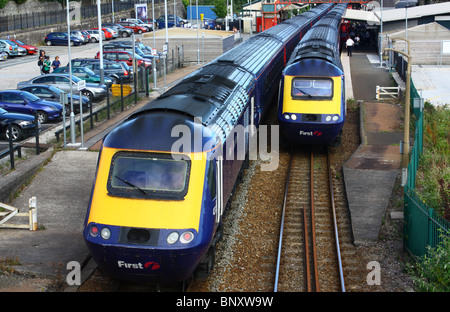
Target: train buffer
{"points": [[8, 212]]}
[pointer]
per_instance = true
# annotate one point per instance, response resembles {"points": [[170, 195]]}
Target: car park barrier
{"points": [[14, 212]]}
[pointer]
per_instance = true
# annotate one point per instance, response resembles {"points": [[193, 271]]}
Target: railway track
{"points": [[309, 256]]}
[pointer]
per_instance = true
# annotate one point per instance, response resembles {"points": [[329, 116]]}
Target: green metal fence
{"points": [[422, 227]]}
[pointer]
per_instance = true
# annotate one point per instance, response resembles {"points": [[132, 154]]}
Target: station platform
{"points": [[62, 192], [371, 171]]}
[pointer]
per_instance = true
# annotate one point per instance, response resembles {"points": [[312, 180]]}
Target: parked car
{"points": [[9, 48], [172, 20], [113, 32], [133, 26], [84, 74], [108, 35], [95, 37], [115, 70], [61, 38], [3, 56], [124, 56], [123, 31], [22, 126], [23, 102], [93, 91], [22, 51], [51, 93], [209, 23], [30, 49], [140, 23], [80, 35], [88, 35], [128, 46]]}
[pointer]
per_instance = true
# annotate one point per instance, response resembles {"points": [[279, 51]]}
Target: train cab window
{"points": [[310, 88], [145, 175]]}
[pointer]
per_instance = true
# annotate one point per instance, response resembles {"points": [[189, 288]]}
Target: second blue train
{"points": [[312, 106]]}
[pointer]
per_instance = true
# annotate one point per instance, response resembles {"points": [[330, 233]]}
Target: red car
{"points": [[108, 35], [30, 49], [135, 27], [124, 56]]}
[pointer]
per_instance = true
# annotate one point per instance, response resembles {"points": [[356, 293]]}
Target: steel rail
{"points": [[341, 274], [313, 228], [282, 224]]}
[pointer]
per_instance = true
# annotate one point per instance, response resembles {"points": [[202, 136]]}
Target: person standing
{"points": [[41, 60], [349, 44], [46, 67], [56, 63]]}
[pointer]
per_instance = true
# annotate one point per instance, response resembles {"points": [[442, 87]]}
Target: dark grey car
{"points": [[112, 69]]}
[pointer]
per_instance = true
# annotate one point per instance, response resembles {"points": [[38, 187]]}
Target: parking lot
{"points": [[22, 68]]}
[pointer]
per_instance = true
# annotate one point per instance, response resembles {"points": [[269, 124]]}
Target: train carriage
{"points": [[311, 105], [166, 173]]}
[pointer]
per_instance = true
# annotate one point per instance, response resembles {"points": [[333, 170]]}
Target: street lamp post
{"points": [[72, 115], [198, 37], [99, 16], [407, 101]]}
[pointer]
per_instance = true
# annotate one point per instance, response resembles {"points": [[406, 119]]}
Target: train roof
{"points": [[322, 40], [161, 132], [313, 68]]}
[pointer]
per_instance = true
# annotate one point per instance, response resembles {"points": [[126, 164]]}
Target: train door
{"points": [[219, 189]]}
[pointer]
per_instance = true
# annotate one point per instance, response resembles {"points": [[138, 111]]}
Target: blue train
{"points": [[165, 174], [311, 105]]}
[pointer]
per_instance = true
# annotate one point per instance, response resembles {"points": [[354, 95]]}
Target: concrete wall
{"points": [[425, 52]]}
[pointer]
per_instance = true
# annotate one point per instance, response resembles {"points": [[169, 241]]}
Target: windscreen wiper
{"points": [[306, 93], [131, 184]]}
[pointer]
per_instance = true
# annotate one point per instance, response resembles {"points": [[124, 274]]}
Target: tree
{"points": [[220, 8]]}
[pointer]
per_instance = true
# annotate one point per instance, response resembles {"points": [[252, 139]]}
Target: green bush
{"points": [[3, 3], [433, 176], [432, 272]]}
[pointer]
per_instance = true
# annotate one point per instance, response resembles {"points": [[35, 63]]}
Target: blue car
{"points": [[171, 21], [22, 126], [23, 102], [60, 38]]}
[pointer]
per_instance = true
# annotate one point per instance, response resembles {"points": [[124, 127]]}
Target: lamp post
{"points": [[166, 25], [198, 37], [99, 16], [72, 115], [407, 102]]}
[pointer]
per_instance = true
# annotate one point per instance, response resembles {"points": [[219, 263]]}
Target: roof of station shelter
{"points": [[392, 15]]}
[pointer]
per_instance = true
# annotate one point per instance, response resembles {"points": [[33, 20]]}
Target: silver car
{"points": [[78, 34], [3, 56], [95, 37], [9, 48], [62, 81]]}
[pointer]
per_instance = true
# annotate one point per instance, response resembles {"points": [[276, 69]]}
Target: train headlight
{"points": [[172, 238], [328, 118], [93, 231], [335, 118], [286, 116], [187, 237], [294, 117], [105, 233]]}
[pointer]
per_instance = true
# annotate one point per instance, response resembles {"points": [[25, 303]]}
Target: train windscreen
{"points": [[148, 176], [312, 88]]}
